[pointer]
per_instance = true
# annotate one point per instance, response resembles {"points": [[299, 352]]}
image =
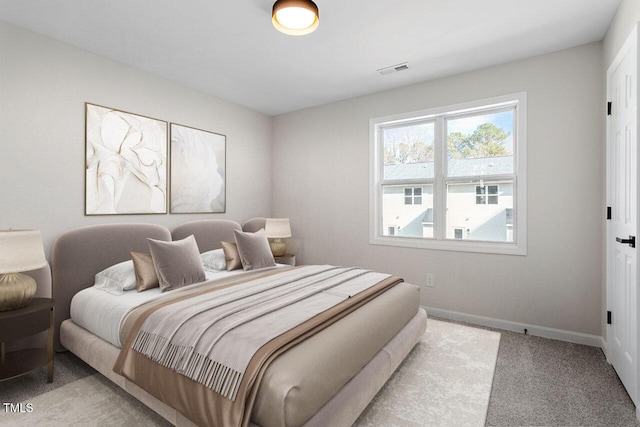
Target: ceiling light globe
{"points": [[295, 17]]}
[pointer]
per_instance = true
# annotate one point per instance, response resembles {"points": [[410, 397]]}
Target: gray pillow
{"points": [[177, 263], [254, 250]]}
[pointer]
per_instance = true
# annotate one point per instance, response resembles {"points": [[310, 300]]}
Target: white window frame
{"points": [[439, 242]]}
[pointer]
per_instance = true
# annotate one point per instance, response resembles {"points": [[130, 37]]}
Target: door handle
{"points": [[631, 241]]}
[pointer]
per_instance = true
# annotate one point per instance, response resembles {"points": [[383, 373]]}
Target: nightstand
{"points": [[21, 323], [288, 259]]}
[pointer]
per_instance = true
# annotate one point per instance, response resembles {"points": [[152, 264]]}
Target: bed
{"points": [[306, 385]]}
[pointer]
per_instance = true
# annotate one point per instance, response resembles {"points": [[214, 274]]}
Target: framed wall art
{"points": [[198, 170], [126, 163]]}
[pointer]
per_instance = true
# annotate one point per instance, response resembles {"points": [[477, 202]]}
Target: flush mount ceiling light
{"points": [[295, 17]]}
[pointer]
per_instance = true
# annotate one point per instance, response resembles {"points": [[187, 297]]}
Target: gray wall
{"points": [[321, 181], [313, 166], [44, 85], [626, 17]]}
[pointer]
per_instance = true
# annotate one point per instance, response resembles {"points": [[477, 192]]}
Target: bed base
{"points": [[342, 410]]}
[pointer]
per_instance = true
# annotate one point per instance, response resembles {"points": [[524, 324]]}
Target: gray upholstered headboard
{"points": [[208, 232], [79, 254], [254, 224]]}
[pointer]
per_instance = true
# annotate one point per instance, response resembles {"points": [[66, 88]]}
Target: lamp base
{"points": [[278, 247], [16, 290]]}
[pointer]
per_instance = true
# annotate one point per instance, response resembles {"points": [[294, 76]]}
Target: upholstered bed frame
{"points": [[79, 254]]}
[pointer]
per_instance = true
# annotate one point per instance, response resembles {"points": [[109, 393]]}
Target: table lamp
{"points": [[277, 229], [20, 250]]}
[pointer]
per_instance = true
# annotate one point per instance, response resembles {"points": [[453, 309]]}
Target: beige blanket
{"points": [[202, 404]]}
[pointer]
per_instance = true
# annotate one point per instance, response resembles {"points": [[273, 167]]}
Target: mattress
{"points": [[102, 313], [297, 385]]}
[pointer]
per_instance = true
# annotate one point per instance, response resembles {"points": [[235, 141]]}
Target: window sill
{"points": [[452, 245]]}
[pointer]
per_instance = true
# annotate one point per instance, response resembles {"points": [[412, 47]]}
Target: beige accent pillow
{"points": [[178, 263], [146, 277], [254, 250], [231, 255]]}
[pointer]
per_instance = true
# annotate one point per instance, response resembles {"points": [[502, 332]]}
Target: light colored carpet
{"points": [[445, 381]]}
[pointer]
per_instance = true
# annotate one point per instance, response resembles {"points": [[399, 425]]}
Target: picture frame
{"points": [[125, 162], [198, 170]]}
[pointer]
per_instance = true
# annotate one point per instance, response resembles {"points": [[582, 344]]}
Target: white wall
{"points": [[44, 85], [626, 17], [321, 182]]}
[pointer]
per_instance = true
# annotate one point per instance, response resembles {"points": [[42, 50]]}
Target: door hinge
{"points": [[608, 212], [608, 317], [608, 108]]}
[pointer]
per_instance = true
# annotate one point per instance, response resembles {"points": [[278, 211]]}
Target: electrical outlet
{"points": [[431, 280]]}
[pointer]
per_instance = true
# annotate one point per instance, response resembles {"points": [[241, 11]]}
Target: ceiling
{"points": [[230, 49]]}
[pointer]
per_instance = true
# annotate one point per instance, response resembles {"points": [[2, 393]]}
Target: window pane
{"points": [[493, 189], [408, 151], [480, 189], [490, 222], [480, 145], [417, 191], [408, 220]]}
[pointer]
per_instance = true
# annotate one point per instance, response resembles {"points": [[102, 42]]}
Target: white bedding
{"points": [[102, 313]]}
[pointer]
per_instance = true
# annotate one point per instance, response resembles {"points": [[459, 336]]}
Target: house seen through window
{"points": [[451, 175]]}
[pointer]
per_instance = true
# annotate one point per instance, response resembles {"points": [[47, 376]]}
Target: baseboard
{"points": [[540, 331], [603, 346]]}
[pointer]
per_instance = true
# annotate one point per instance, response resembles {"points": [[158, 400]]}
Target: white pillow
{"points": [[117, 278], [214, 260]]}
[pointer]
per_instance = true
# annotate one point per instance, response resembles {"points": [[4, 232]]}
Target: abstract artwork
{"points": [[126, 163], [197, 170]]}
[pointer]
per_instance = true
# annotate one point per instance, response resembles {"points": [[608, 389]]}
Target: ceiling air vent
{"points": [[394, 68]]}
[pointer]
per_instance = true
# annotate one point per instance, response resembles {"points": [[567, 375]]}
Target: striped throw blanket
{"points": [[212, 340]]}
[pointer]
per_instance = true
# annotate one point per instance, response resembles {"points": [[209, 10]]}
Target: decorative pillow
{"points": [[178, 263], [117, 278], [231, 256], [146, 277], [254, 250], [214, 260]]}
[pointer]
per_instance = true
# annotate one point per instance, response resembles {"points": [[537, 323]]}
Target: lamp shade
{"points": [[295, 17], [21, 250], [278, 228]]}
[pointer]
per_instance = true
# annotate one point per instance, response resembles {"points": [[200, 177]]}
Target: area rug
{"points": [[445, 381]]}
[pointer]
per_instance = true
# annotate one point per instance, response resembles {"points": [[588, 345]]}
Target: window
{"points": [[451, 178], [486, 194], [413, 196]]}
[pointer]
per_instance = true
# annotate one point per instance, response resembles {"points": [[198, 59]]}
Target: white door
{"points": [[622, 178]]}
